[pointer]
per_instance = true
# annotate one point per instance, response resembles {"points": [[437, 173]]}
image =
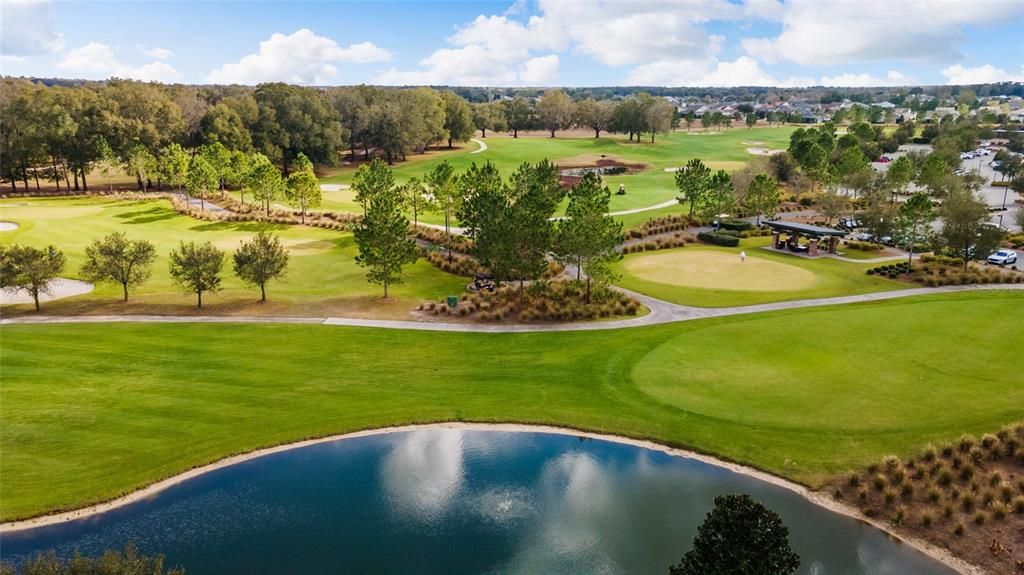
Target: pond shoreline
{"points": [[818, 498]]}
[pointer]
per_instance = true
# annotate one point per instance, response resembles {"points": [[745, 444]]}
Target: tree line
{"points": [[195, 267], [60, 134]]}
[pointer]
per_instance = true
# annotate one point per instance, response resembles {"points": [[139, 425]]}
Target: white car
{"points": [[1003, 257]]}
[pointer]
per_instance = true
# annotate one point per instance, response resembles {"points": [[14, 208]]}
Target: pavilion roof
{"points": [[805, 229]]}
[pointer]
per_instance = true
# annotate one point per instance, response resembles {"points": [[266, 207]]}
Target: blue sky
{"points": [[525, 42]]}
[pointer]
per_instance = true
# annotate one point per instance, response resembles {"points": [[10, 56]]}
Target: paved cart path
{"points": [[661, 312]]}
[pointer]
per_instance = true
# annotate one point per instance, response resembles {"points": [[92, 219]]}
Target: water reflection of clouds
{"points": [[423, 473]]}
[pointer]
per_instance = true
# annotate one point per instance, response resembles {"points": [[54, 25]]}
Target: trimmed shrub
{"points": [[719, 239]]}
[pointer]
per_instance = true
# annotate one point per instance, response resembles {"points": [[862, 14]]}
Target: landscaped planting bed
{"points": [[538, 302], [934, 271], [966, 496]]}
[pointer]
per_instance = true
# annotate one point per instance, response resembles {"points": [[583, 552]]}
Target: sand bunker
{"points": [[59, 288], [334, 187], [8, 226], [763, 151]]}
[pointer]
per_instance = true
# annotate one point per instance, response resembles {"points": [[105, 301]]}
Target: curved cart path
{"points": [[661, 312], [481, 143]]}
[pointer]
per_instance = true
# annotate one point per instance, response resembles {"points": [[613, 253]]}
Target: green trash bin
{"points": [[453, 300]]}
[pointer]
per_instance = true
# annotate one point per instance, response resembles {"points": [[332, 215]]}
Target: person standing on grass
{"points": [[743, 256]]}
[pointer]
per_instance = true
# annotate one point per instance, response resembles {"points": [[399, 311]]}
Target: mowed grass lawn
{"points": [[719, 150], [713, 276], [323, 277], [92, 411]]}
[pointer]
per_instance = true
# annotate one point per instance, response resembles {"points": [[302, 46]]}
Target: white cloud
{"points": [[156, 52], [300, 58], [96, 60], [865, 80], [541, 70], [27, 27], [980, 75], [826, 33], [743, 71]]}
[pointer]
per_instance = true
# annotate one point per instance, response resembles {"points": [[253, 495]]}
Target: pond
{"points": [[442, 500]]}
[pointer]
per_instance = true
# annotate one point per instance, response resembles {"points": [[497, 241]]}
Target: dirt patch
{"points": [[8, 226], [58, 288]]}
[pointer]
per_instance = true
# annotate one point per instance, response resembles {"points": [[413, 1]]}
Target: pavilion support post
{"points": [[776, 240], [812, 247]]}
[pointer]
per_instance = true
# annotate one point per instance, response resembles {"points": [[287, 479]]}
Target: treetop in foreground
{"points": [[740, 536]]}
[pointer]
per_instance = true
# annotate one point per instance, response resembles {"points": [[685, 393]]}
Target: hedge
{"points": [[736, 225], [719, 239]]}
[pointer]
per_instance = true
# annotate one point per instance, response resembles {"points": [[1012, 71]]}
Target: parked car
{"points": [[849, 223], [865, 237], [887, 240], [1003, 258], [883, 160]]}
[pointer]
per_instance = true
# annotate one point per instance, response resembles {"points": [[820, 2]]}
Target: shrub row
{"points": [[461, 264], [735, 225], [657, 226], [719, 239], [676, 240], [437, 237], [541, 301]]}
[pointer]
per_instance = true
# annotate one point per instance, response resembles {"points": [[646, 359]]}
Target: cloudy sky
{"points": [[524, 42]]}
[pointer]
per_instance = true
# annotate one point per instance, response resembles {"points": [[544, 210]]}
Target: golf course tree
{"points": [[264, 180], [141, 164], [172, 164], [718, 197], [527, 229], [106, 162], [555, 111], [219, 159], [238, 172], [587, 236], [914, 222], [201, 180], [458, 118], [762, 197], [658, 114], [740, 536], [118, 259], [488, 116], [900, 174], [196, 268], [693, 180], [303, 189], [261, 259], [1010, 165], [383, 234], [441, 179], [963, 216], [750, 120], [30, 269], [417, 199], [832, 204], [477, 188], [518, 115], [878, 214], [934, 174], [594, 114]]}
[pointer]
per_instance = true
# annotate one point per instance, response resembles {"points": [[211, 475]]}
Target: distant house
{"points": [[886, 105], [904, 114]]}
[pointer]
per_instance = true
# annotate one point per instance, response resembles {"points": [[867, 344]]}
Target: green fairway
{"points": [[789, 392], [688, 276], [323, 277], [719, 150]]}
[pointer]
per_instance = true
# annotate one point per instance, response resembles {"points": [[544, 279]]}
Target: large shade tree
{"points": [[118, 259]]}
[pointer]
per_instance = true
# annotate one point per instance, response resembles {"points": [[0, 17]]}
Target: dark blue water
{"points": [[451, 501]]}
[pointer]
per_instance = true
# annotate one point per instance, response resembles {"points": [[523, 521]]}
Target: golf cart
{"points": [[482, 283]]}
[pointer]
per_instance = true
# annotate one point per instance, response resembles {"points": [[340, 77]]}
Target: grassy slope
{"points": [[724, 150], [834, 278], [323, 277], [788, 392]]}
